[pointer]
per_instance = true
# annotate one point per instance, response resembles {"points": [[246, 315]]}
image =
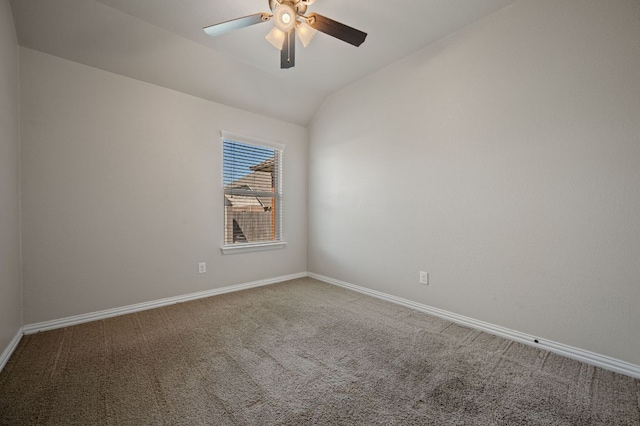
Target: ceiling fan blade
{"points": [[336, 29], [288, 52], [236, 24]]}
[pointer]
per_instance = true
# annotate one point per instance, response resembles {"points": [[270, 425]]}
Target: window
{"points": [[252, 181]]}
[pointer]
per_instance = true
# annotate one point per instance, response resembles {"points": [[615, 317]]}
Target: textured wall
{"points": [[122, 191], [504, 160], [10, 296]]}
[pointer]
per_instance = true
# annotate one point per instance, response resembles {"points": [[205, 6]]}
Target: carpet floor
{"points": [[296, 353]]}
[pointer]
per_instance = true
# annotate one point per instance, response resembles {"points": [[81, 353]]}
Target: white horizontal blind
{"points": [[252, 192]]}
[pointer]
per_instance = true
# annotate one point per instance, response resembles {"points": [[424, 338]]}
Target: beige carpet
{"points": [[300, 352]]}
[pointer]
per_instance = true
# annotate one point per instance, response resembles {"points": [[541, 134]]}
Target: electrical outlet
{"points": [[424, 277], [202, 267]]}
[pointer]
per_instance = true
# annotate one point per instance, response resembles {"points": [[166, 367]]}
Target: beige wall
{"points": [[504, 160], [122, 191], [10, 292]]}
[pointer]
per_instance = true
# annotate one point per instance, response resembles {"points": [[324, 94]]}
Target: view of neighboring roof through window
{"points": [[252, 177]]}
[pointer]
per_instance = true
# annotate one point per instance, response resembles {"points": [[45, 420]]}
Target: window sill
{"points": [[244, 248]]}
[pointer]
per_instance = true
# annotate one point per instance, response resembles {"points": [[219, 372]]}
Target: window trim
{"points": [[253, 246], [248, 247]]}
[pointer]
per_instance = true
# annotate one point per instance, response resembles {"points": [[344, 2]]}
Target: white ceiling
{"points": [[162, 42]]}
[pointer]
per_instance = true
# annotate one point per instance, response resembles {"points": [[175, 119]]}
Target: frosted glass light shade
{"points": [[305, 33], [276, 38], [285, 18]]}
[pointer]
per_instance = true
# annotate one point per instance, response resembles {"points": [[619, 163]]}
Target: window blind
{"points": [[252, 192]]}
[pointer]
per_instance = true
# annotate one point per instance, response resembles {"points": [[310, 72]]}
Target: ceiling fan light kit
{"points": [[284, 17], [276, 38], [305, 33], [290, 19]]}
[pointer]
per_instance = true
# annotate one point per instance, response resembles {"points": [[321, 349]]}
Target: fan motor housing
{"points": [[298, 5]]}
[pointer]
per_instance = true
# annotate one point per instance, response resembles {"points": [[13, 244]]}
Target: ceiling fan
{"points": [[290, 19]]}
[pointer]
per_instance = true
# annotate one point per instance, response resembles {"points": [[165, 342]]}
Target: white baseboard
{"points": [[585, 356], [95, 316], [9, 350], [588, 357]]}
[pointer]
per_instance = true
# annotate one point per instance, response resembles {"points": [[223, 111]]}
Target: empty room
{"points": [[323, 212]]}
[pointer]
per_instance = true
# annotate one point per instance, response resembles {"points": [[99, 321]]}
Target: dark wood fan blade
{"points": [[236, 24], [288, 53], [336, 29]]}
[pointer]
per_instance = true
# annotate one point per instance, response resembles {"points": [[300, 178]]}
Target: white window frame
{"points": [[254, 246]]}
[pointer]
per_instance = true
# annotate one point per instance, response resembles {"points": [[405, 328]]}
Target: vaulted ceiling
{"points": [[162, 42]]}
